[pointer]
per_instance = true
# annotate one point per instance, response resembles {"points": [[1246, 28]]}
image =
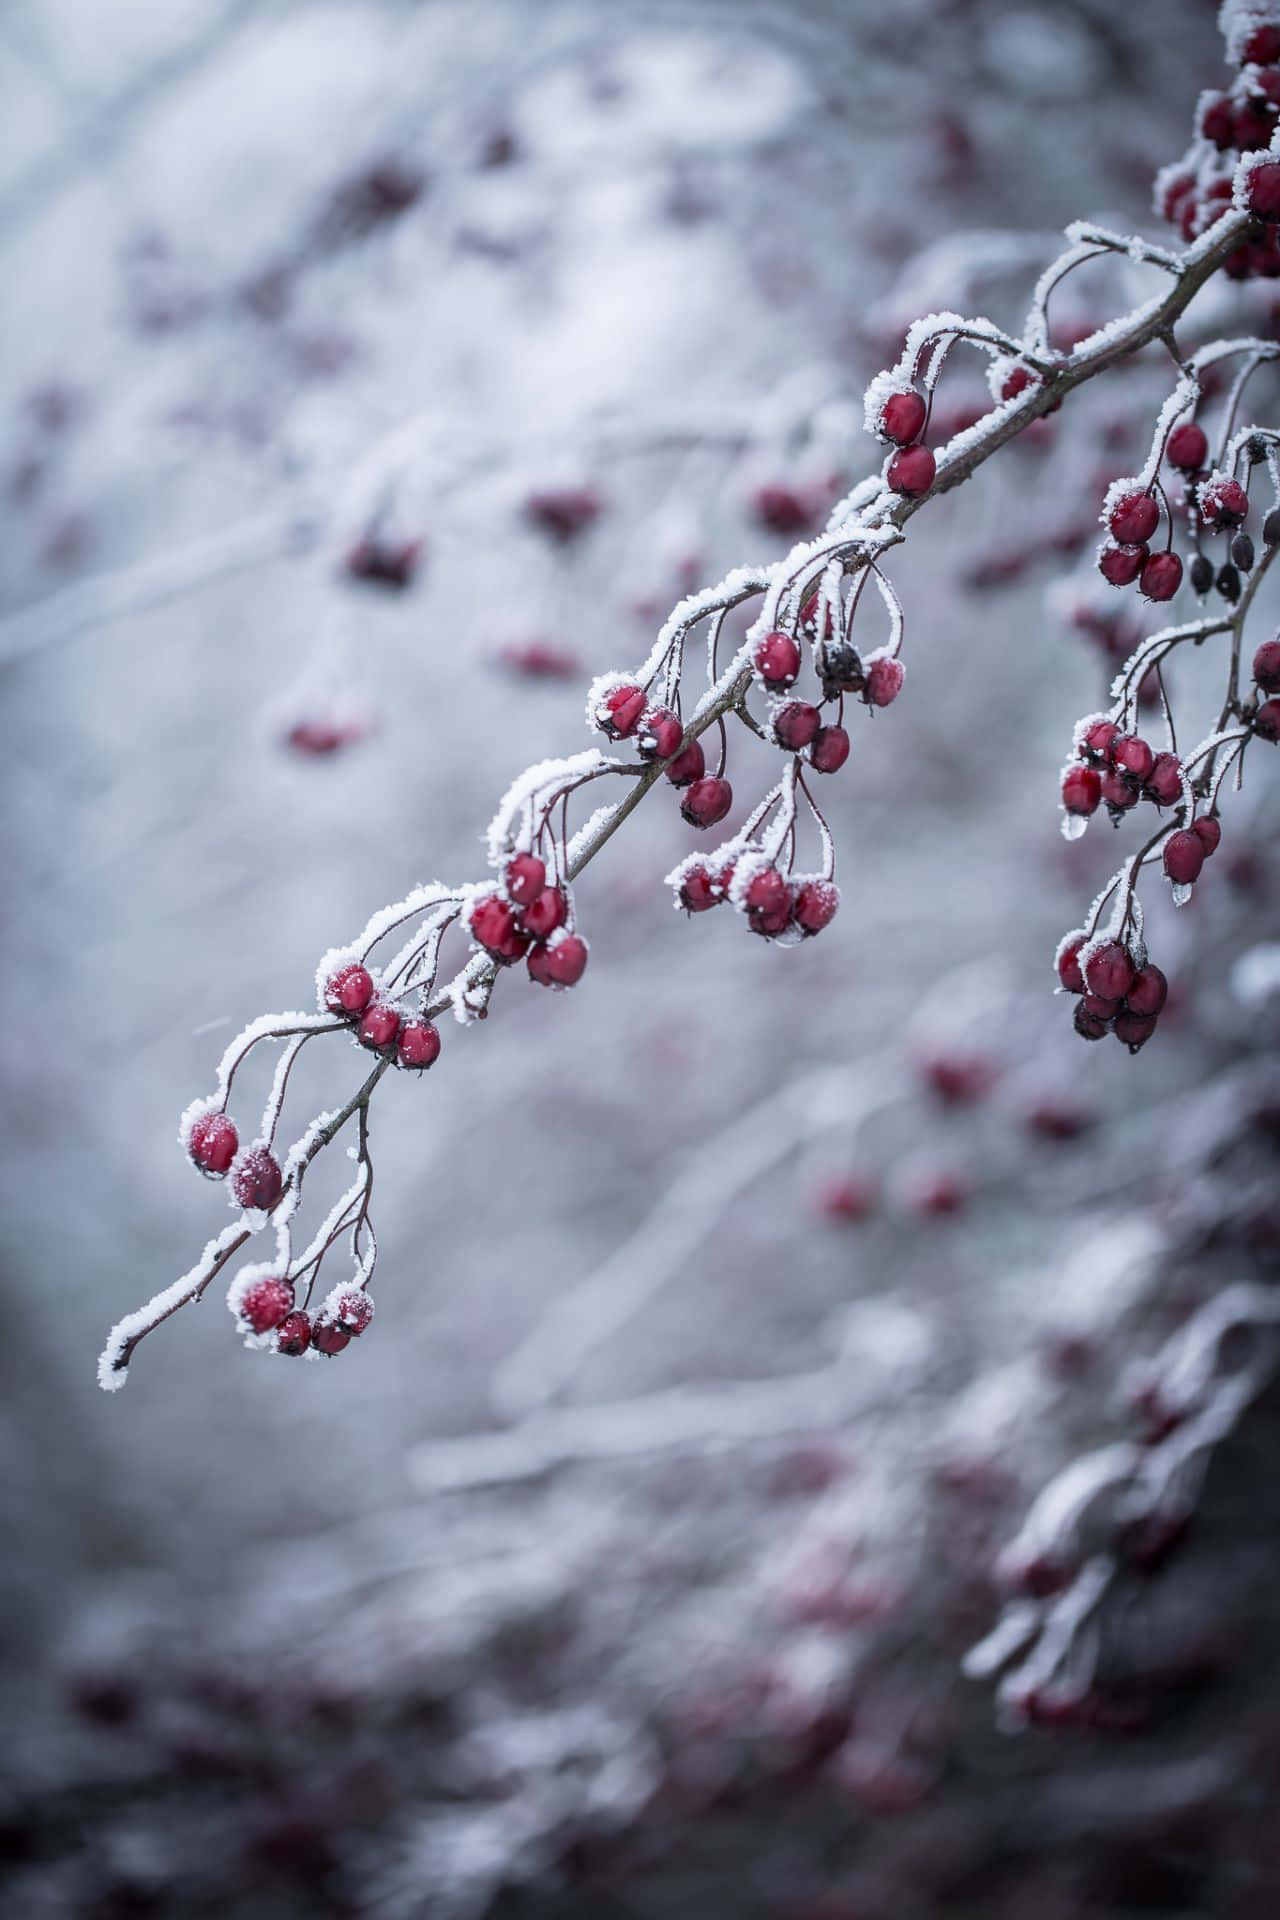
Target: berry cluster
{"points": [[262, 1304], [1225, 163], [911, 467], [1117, 769], [378, 1023], [1120, 992], [532, 921], [213, 1144]]}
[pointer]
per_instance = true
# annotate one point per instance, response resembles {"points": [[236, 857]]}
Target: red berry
{"points": [[1251, 128], [1100, 1006], [379, 1027], [1216, 121], [1134, 518], [911, 471], [707, 801], [1188, 447], [884, 681], [1109, 971], [1081, 790], [256, 1179], [1088, 1025], [561, 965], [264, 1303], [809, 615], [1016, 381], [1183, 858], [699, 890], [1261, 48], [768, 902], [212, 1143], [782, 509], [1068, 963], [328, 1338], [795, 725], [294, 1335], [1266, 666], [418, 1045], [816, 905], [849, 1199], [1163, 784], [1134, 1029], [1161, 576], [1208, 831], [353, 1311], [830, 749], [902, 417], [689, 765], [549, 911], [1266, 722], [777, 661], [1097, 740], [525, 876], [1132, 756], [349, 991], [1122, 565], [621, 711], [495, 925], [1147, 992], [563, 512], [1118, 792], [660, 734], [1223, 501]]}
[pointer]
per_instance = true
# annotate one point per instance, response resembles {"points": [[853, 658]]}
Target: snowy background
{"points": [[340, 1638]]}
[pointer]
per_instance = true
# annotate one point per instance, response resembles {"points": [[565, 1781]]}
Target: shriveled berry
{"points": [[294, 1336], [256, 1179], [1068, 963], [700, 889], [495, 925], [327, 1338], [1131, 755], [1208, 831], [1109, 971], [1223, 501], [816, 905], [1261, 187], [1134, 518], [264, 1303], [1134, 1029], [349, 991], [1161, 576], [1266, 722], [830, 749], [1163, 784], [1201, 574], [1088, 1025], [525, 876], [379, 1027], [777, 661], [418, 1045], [1081, 791], [1183, 857], [1266, 666], [1228, 583], [1147, 992], [795, 725], [768, 902], [353, 1311], [689, 765], [1188, 447], [884, 681], [1242, 554], [1097, 739], [1122, 565], [1118, 793], [911, 471], [560, 965], [621, 711], [707, 801], [902, 417], [660, 734], [549, 911], [213, 1143]]}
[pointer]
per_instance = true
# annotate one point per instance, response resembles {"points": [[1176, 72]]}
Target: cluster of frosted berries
{"points": [[902, 420], [262, 1304], [1266, 677], [1119, 991], [528, 919], [1118, 769], [774, 904], [352, 995], [1217, 172], [1215, 504], [213, 1144]]}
